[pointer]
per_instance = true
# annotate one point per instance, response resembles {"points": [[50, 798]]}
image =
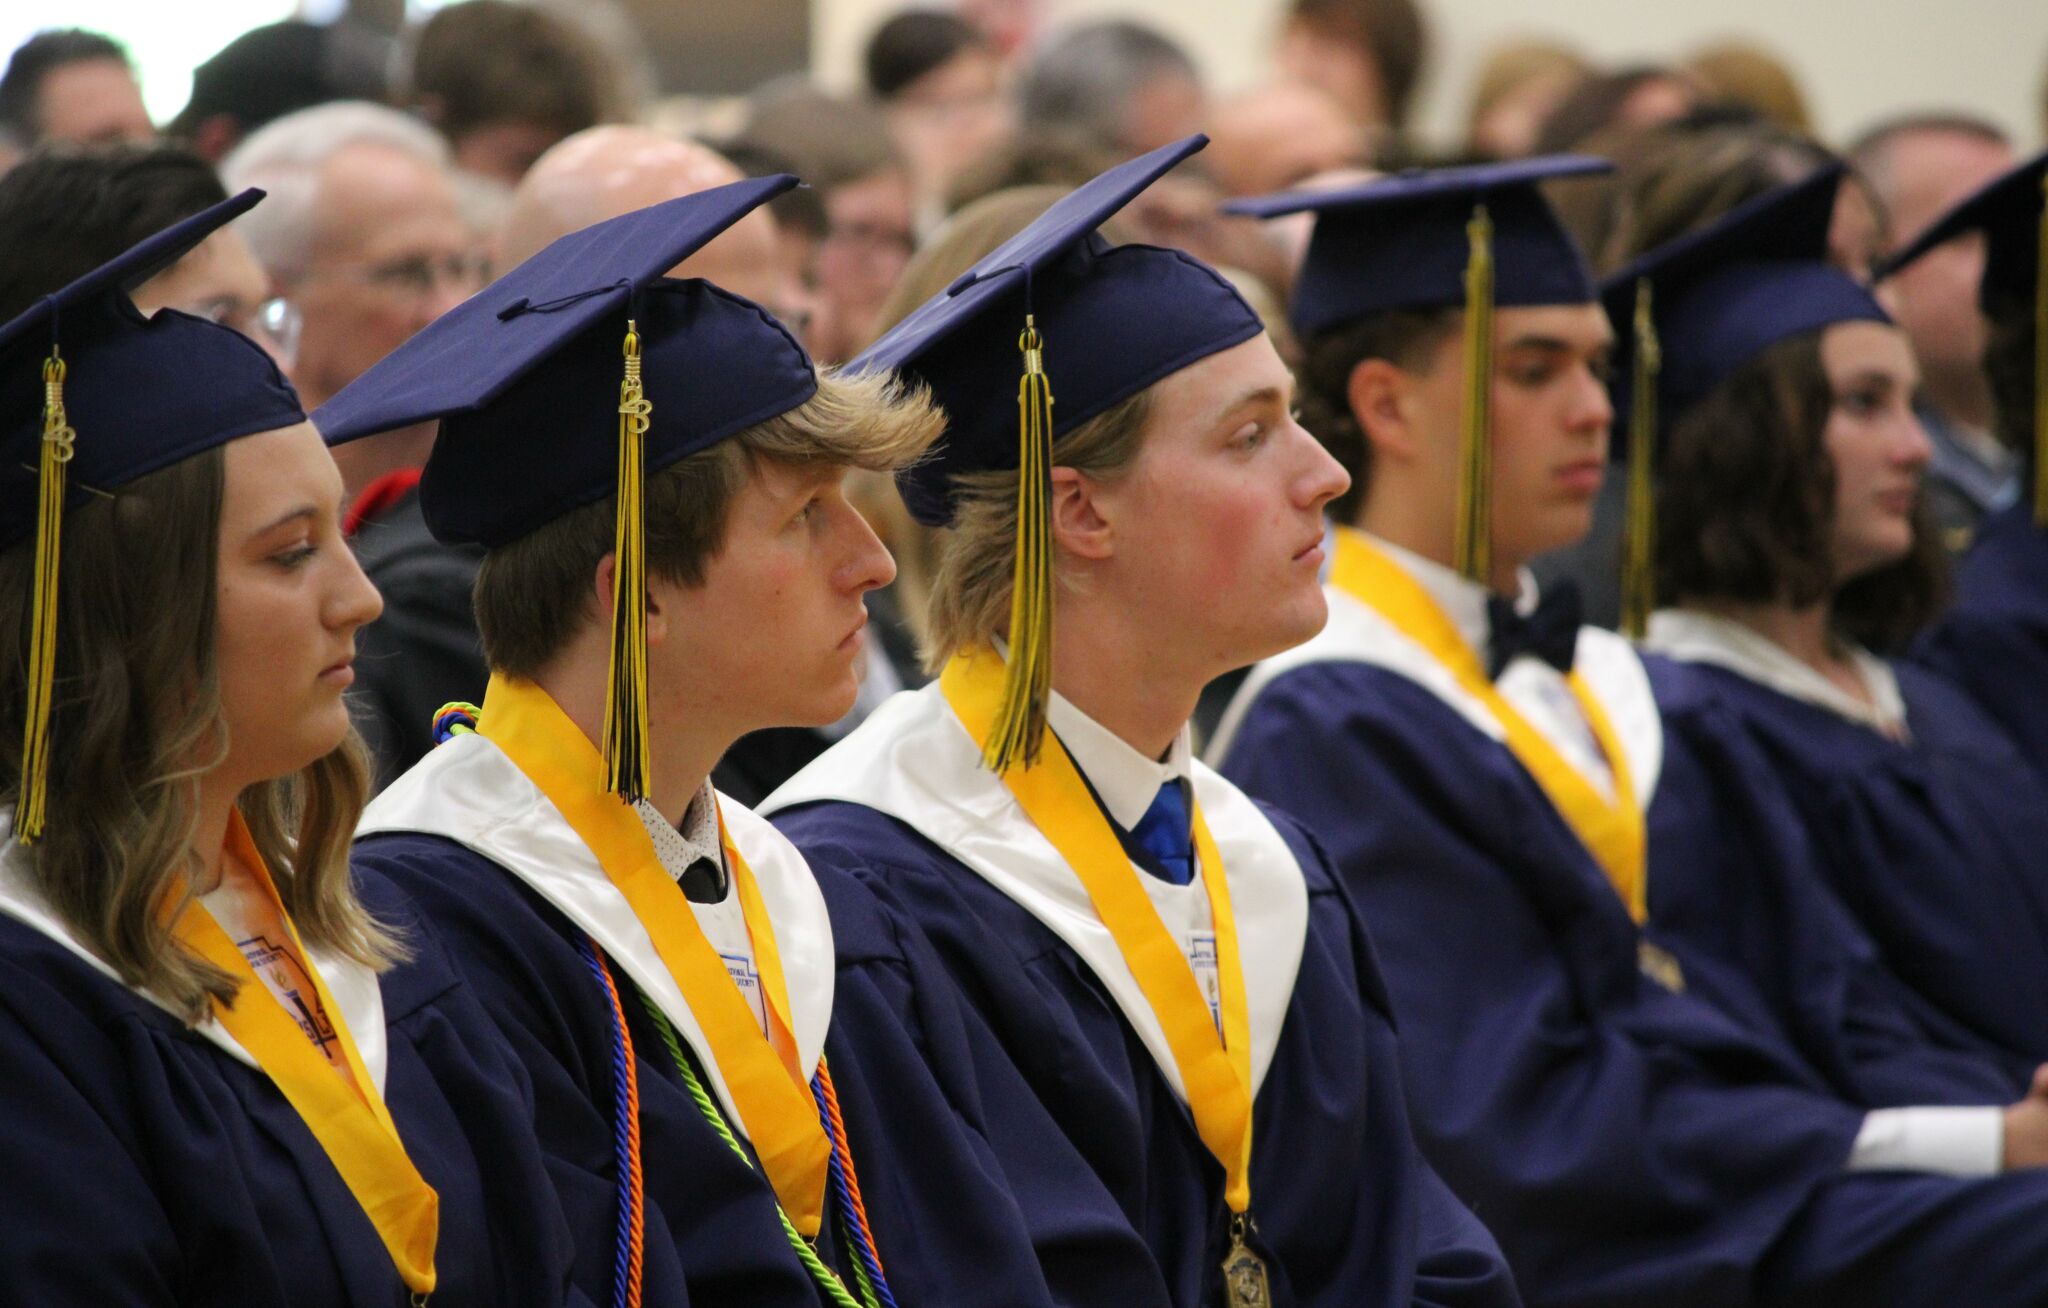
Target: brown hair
{"points": [[1392, 34], [1684, 176], [970, 592], [534, 595], [490, 61], [137, 721], [1745, 505], [1406, 338]]}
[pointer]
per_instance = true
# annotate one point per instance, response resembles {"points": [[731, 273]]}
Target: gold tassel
{"points": [[1639, 564], [58, 446], [1473, 546], [2041, 368], [1019, 727], [626, 758]]}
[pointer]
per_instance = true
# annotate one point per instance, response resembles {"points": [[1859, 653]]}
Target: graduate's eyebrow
{"points": [[306, 510], [1554, 344], [1257, 395]]}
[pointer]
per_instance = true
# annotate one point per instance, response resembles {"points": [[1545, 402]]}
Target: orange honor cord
{"points": [[1611, 830], [767, 1086], [351, 1122], [1214, 1069]]}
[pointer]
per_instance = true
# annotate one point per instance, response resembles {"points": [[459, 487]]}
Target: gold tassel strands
{"points": [[626, 755], [1639, 563], [58, 445], [1019, 726], [1473, 547]]}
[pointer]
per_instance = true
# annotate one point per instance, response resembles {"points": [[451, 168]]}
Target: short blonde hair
{"points": [[969, 604]]}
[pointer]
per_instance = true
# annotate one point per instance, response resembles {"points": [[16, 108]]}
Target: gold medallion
{"points": [[1244, 1272]]}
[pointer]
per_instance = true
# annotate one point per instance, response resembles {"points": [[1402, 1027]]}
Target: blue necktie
{"points": [[1163, 833]]}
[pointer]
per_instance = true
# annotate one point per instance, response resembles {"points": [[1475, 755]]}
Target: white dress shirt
{"points": [[723, 922], [1127, 782]]}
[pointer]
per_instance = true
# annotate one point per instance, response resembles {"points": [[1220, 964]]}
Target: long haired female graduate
{"points": [[1791, 539], [755, 1086], [1172, 966], [233, 1075]]}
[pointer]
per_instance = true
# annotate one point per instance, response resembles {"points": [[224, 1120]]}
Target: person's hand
{"points": [[2026, 1126]]}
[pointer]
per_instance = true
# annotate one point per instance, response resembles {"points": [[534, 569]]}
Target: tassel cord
{"points": [[1473, 554], [1639, 565]]}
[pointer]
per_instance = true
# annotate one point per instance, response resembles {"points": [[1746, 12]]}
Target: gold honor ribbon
{"points": [[1214, 1068], [351, 1123], [1612, 831], [763, 1074]]}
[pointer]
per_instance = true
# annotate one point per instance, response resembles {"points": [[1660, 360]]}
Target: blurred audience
{"points": [[606, 171], [362, 232], [1270, 138], [1744, 75], [1367, 55], [1918, 166], [1519, 86], [841, 148], [505, 81], [68, 84], [1119, 86], [66, 211], [1637, 97], [941, 83], [270, 71]]}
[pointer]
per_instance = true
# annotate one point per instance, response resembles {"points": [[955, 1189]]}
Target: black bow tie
{"points": [[1551, 633]]}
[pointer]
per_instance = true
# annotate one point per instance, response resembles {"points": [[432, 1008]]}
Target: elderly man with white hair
{"points": [[362, 232]]}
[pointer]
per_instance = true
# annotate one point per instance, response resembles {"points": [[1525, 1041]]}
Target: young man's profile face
{"points": [[775, 635], [1218, 521], [1551, 417]]}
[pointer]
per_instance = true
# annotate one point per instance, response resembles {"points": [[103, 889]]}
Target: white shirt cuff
{"points": [[1951, 1141]]}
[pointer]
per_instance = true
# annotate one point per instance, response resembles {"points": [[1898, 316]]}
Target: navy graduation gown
{"points": [[945, 1226], [1993, 642], [1348, 1212], [1738, 876], [1938, 845], [1627, 1144], [145, 1165]]}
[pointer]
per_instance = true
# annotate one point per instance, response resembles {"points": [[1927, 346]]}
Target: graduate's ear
{"points": [[1378, 392], [601, 588], [1079, 526]]}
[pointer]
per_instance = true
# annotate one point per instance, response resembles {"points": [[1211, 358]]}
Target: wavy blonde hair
{"points": [[137, 721]]}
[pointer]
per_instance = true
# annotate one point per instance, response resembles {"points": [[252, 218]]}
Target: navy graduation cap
{"points": [[2012, 212], [1693, 311], [1402, 241], [2008, 210], [1110, 321], [570, 379], [97, 396], [1099, 324], [1474, 238]]}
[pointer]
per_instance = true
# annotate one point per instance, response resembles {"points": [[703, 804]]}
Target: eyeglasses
{"points": [[274, 324], [420, 275]]}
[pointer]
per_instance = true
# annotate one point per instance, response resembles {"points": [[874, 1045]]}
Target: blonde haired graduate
{"points": [[1639, 1120], [738, 1063], [1171, 966], [236, 1072]]}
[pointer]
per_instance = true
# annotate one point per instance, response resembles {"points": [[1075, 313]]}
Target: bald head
{"points": [[607, 171], [1271, 138]]}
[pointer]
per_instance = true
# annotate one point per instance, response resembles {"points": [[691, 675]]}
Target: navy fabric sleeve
{"points": [[1617, 1139]]}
